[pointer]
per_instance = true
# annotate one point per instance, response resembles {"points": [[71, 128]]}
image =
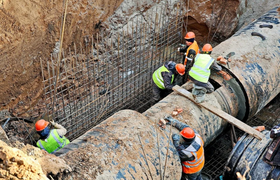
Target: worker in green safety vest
{"points": [[200, 71], [163, 79], [51, 140]]}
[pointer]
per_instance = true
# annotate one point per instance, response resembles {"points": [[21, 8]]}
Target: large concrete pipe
{"points": [[255, 64], [125, 146]]}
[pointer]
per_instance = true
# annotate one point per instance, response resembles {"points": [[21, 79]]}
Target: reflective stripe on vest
{"points": [[201, 68], [196, 149], [158, 79], [193, 46], [53, 143]]}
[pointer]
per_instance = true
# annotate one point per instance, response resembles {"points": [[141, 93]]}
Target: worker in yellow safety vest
{"points": [[190, 150], [163, 79], [51, 140], [200, 71]]}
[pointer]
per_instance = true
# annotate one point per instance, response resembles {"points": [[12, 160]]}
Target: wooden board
{"points": [[232, 120]]}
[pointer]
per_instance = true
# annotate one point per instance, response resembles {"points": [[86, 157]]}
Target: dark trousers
{"points": [[158, 93], [194, 176], [208, 86]]}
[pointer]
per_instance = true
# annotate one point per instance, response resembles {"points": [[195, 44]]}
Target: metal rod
{"points": [[145, 155]]}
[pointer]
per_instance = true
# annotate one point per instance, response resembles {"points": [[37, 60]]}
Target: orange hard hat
{"points": [[41, 125], [207, 48], [188, 133], [180, 68], [190, 35]]}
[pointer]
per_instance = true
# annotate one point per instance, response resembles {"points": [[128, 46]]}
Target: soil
{"points": [[29, 31]]}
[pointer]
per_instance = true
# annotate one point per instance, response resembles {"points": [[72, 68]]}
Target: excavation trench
{"points": [[130, 145]]}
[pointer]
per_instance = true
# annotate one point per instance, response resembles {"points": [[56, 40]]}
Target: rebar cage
{"points": [[108, 72]]}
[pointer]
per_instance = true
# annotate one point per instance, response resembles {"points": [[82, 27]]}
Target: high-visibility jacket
{"points": [[158, 79], [53, 142], [196, 149], [193, 46], [200, 71]]}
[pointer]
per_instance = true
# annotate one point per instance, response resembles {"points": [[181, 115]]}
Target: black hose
{"points": [[258, 34]]}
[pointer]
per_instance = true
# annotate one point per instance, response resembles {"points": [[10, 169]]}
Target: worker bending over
{"points": [[163, 79], [51, 140], [200, 71], [191, 150]]}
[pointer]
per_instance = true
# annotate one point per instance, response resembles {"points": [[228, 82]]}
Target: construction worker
{"points": [[190, 150], [200, 71], [51, 140], [163, 79], [272, 155], [190, 50]]}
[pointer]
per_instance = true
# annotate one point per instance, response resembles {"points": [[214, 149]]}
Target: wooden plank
{"points": [[232, 120]]}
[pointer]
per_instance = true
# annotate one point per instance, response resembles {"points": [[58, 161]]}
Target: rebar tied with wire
{"points": [[100, 76]]}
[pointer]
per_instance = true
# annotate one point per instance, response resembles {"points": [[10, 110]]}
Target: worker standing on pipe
{"points": [[272, 155], [163, 79], [51, 140], [200, 71], [190, 51], [191, 150]]}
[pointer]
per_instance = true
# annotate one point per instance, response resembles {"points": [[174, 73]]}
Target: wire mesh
{"points": [[106, 73]]}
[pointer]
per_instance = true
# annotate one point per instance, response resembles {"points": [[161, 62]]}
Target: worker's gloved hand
{"points": [[176, 137], [53, 123], [225, 75], [169, 120]]}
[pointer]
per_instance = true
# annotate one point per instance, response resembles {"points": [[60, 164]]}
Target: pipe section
{"points": [[255, 64], [112, 150], [248, 155]]}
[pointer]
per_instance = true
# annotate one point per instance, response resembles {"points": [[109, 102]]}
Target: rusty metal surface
{"points": [[256, 62]]}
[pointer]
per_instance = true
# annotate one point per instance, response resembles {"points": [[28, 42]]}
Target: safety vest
{"points": [[201, 68], [53, 143], [196, 149], [158, 79], [193, 46]]}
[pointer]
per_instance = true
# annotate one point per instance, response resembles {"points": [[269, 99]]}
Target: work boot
{"points": [[199, 93]]}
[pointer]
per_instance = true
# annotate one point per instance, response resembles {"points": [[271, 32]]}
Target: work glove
{"points": [[225, 75], [176, 137], [169, 120], [53, 123]]}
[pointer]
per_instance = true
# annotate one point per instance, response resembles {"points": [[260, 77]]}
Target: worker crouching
{"points": [[163, 79], [200, 71], [51, 140], [191, 150]]}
